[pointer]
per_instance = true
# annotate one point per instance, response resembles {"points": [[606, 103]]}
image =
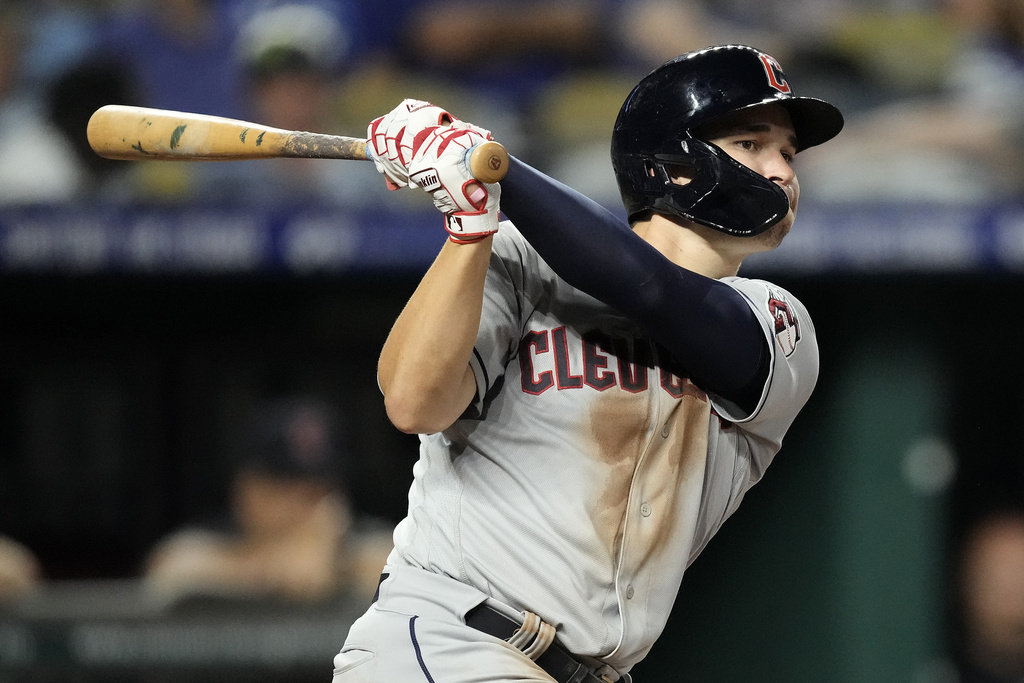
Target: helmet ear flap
{"points": [[675, 170], [723, 193]]}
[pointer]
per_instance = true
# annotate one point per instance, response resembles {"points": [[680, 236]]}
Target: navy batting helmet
{"points": [[659, 126]]}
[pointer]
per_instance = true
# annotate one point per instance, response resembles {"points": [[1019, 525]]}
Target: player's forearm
{"points": [[423, 369]]}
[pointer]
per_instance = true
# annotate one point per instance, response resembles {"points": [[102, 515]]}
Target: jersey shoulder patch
{"points": [[787, 324]]}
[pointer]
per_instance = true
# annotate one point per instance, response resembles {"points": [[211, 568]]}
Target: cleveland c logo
{"points": [[776, 78]]}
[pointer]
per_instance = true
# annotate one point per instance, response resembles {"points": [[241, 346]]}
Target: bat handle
{"points": [[488, 161]]}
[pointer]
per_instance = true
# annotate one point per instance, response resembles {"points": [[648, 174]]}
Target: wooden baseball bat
{"points": [[138, 133]]}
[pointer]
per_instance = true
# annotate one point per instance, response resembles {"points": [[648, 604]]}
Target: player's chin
{"points": [[773, 236]]}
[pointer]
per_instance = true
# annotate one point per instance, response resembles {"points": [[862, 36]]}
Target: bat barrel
{"points": [[138, 133]]}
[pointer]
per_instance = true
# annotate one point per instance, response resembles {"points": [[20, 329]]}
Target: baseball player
{"points": [[594, 397]]}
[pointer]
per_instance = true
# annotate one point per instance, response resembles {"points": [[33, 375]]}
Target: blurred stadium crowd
{"points": [[932, 88]]}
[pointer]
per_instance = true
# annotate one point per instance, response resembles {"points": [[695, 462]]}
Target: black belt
{"points": [[558, 662]]}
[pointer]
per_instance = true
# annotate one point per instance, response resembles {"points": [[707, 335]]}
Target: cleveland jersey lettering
{"points": [[545, 361]]}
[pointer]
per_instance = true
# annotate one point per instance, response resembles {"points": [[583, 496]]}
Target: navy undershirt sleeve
{"points": [[706, 325]]}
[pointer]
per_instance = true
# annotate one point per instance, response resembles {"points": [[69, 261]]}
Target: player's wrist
{"points": [[467, 227]]}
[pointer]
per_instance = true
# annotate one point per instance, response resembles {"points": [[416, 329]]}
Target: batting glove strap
{"points": [[466, 227]]}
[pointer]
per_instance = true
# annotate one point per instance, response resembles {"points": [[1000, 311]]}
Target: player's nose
{"points": [[777, 168]]}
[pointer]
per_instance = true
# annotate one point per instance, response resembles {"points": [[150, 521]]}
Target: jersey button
{"points": [[664, 432], [629, 592], [645, 509]]}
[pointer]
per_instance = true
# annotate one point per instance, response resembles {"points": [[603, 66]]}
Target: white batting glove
{"points": [[392, 138], [440, 166]]}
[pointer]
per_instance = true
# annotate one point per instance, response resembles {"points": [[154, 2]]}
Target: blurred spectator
{"points": [[71, 98], [292, 56], [573, 113], [953, 142], [504, 45], [176, 55], [988, 71], [654, 31], [543, 75], [991, 600], [550, 77], [292, 533], [486, 59], [179, 54], [19, 569], [36, 162]]}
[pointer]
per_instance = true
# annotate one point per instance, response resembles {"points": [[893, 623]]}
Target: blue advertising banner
{"points": [[303, 241]]}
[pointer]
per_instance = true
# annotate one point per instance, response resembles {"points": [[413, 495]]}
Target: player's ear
{"points": [[680, 174]]}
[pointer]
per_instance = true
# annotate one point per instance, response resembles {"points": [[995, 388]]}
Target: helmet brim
{"points": [[814, 121]]}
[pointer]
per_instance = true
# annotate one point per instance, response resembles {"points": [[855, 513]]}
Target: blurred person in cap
{"points": [[292, 534], [292, 57]]}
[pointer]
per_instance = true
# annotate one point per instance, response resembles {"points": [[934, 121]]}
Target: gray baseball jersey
{"points": [[588, 473]]}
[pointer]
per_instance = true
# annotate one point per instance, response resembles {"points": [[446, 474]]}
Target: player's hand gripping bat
{"points": [[137, 133]]}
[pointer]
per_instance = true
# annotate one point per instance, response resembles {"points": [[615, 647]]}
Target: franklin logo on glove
{"points": [[427, 179]]}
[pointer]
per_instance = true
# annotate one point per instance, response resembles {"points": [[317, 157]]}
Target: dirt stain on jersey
{"points": [[619, 432], [673, 473]]}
